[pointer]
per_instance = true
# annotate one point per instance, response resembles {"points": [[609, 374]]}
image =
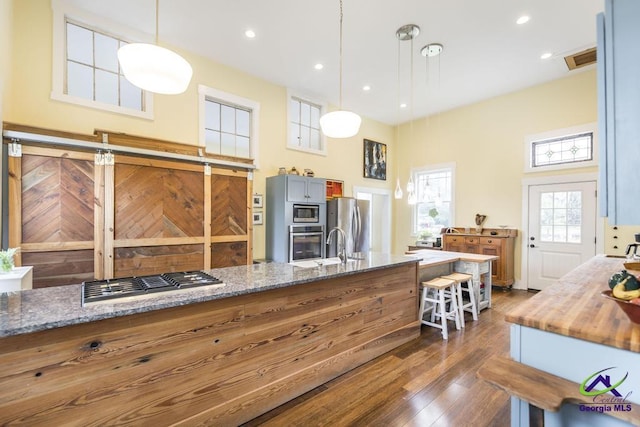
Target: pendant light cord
{"points": [[340, 54], [157, 14]]}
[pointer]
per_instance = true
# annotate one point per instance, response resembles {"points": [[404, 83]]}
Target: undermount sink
{"points": [[318, 262]]}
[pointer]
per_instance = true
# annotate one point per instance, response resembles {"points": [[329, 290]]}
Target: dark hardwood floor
{"points": [[426, 382]]}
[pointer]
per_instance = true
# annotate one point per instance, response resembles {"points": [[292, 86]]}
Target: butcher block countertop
{"points": [[574, 307], [430, 258]]}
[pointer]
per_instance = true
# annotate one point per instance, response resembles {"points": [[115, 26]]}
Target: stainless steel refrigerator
{"points": [[352, 216]]}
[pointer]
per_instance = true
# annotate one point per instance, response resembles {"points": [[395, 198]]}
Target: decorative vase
{"points": [[479, 229]]}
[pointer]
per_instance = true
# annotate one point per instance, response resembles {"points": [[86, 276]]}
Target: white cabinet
{"points": [[619, 110], [305, 189]]}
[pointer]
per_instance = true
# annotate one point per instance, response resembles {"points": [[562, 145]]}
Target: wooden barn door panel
{"points": [[55, 268], [52, 208], [141, 261], [154, 202], [57, 200], [228, 206], [231, 227], [158, 217], [228, 254]]}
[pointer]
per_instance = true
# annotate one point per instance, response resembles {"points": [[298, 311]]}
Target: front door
{"points": [[562, 230]]}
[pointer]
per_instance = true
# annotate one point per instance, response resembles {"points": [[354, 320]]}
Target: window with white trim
{"points": [[228, 124], [93, 72], [304, 132], [561, 149], [434, 190], [566, 149], [86, 70]]}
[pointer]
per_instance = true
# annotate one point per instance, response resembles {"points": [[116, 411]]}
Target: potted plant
{"points": [[423, 237], [6, 260]]}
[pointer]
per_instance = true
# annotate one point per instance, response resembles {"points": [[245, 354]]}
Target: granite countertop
{"points": [[574, 307], [28, 311]]}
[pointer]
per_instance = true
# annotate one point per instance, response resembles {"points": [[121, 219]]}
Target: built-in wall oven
{"points": [[306, 213], [306, 242]]}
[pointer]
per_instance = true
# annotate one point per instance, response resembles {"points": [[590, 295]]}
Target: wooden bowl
{"points": [[631, 310]]}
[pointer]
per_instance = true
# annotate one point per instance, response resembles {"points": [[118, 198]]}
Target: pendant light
{"points": [[398, 193], [154, 68], [406, 32], [409, 32], [341, 123]]}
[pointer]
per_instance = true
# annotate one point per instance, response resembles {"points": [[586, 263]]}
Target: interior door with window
{"points": [[562, 230]]}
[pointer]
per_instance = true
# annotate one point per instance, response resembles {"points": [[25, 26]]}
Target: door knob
{"points": [[532, 245]]}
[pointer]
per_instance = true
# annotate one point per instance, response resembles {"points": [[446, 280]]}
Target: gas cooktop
{"points": [[101, 290]]}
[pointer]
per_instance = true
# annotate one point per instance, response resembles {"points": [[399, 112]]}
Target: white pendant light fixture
{"points": [[154, 68], [341, 123]]}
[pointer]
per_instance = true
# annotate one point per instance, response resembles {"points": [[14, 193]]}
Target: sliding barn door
{"points": [[231, 225], [53, 205], [82, 216], [158, 217]]}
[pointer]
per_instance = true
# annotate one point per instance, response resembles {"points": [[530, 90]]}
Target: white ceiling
{"points": [[485, 52]]}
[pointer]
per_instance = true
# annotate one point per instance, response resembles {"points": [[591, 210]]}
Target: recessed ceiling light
{"points": [[546, 55], [318, 66], [250, 34], [366, 88], [403, 105], [522, 20]]}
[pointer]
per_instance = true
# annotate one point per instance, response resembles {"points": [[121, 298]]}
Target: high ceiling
{"points": [[485, 52]]}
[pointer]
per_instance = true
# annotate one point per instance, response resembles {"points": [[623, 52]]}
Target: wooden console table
{"points": [[492, 241]]}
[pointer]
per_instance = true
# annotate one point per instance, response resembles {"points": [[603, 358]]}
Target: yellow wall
{"points": [[486, 142], [176, 117], [6, 12]]}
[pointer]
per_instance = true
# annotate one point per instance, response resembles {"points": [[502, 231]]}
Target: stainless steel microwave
{"points": [[306, 213]]}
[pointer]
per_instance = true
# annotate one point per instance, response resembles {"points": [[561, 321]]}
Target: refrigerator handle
{"points": [[358, 227]]}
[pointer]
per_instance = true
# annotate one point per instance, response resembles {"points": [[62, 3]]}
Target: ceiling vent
{"points": [[581, 59]]}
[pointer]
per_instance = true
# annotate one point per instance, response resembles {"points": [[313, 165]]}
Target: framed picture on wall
{"points": [[257, 218], [257, 200], [375, 160]]}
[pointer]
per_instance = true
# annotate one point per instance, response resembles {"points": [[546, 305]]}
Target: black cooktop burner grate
{"points": [[101, 290]]}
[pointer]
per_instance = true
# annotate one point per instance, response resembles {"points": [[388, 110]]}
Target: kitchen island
{"points": [[218, 355], [571, 331]]}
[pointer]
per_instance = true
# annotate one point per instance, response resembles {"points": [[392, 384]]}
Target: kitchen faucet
{"points": [[341, 248]]}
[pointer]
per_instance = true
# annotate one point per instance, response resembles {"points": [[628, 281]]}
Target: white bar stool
{"points": [[472, 305], [437, 293]]}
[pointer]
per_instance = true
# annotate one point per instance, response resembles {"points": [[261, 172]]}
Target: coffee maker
{"points": [[633, 247]]}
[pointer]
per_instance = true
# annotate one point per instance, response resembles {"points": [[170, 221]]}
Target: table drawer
{"points": [[454, 239], [490, 241], [471, 240]]}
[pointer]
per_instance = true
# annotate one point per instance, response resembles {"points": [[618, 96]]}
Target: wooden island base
{"points": [[221, 362]]}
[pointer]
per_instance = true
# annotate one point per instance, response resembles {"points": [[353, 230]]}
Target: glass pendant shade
{"points": [[410, 186], [340, 124], [154, 68], [411, 198], [398, 193]]}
